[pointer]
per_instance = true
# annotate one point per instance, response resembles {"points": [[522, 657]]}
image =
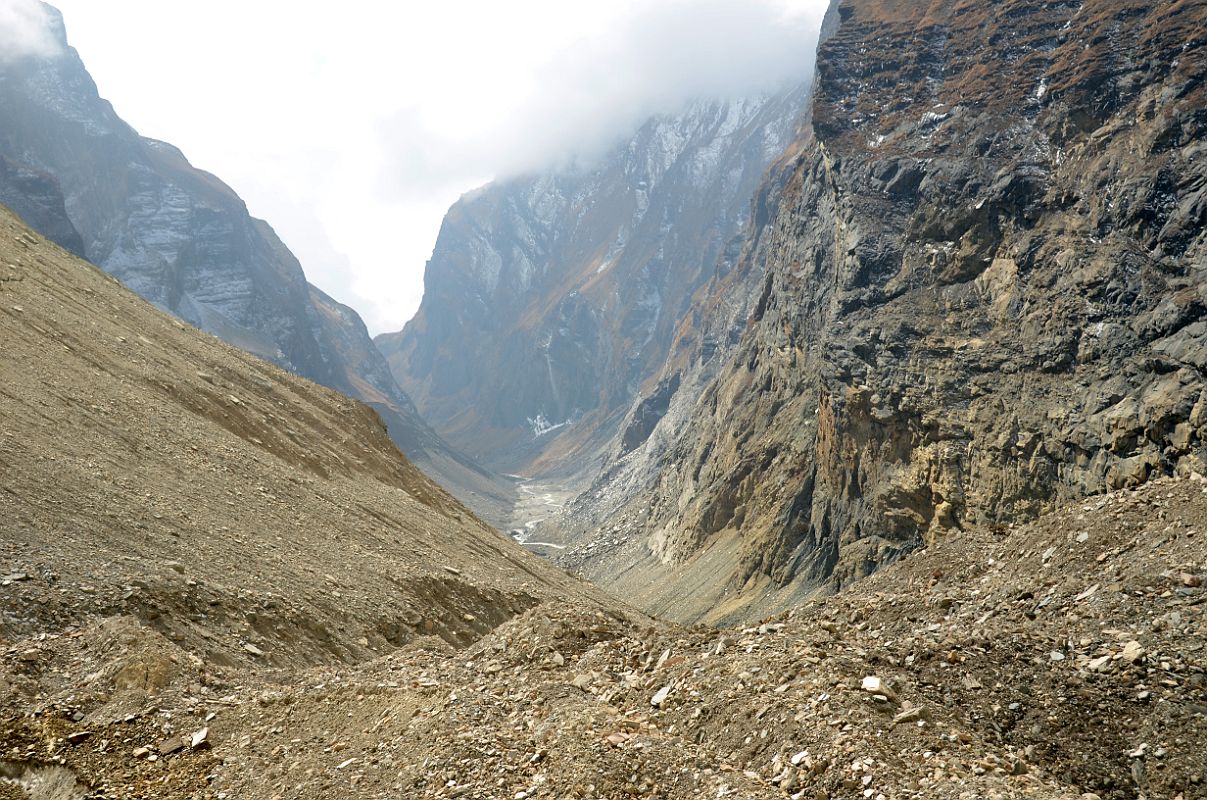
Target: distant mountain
{"points": [[184, 240], [552, 299]]}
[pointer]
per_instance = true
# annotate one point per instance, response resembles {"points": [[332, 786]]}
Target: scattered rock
{"points": [[172, 745], [915, 714], [875, 686], [200, 739]]}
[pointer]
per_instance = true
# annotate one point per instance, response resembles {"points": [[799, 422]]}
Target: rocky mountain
{"points": [[218, 579], [982, 292], [221, 580], [185, 241], [551, 300]]}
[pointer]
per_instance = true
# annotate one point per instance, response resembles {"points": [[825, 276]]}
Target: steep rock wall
{"points": [[985, 292]]}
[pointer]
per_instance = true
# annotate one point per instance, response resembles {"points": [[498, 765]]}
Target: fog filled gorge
{"points": [[796, 408]]}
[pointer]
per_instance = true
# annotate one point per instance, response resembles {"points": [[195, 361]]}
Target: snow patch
{"points": [[541, 426]]}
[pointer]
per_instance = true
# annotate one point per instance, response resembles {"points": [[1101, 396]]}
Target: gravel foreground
{"points": [[1051, 661]]}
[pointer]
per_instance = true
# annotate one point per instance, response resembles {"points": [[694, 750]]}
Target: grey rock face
{"points": [[176, 235], [551, 300], [185, 241], [37, 198], [982, 292]]}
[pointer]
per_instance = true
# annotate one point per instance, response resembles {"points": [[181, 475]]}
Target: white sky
{"points": [[352, 127]]}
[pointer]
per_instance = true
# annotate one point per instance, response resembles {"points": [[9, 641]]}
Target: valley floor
{"points": [[1051, 661], [532, 525]]}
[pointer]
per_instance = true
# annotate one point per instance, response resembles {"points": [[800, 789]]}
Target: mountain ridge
{"points": [[183, 239], [550, 299]]}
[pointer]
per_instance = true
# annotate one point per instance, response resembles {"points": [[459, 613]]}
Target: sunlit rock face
{"points": [[551, 300]]}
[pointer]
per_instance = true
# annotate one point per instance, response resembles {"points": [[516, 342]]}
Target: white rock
{"points": [[1133, 651], [660, 697], [199, 738]]}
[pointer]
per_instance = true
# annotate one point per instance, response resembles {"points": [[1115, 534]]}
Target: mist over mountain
{"points": [[553, 299], [856, 426], [27, 31], [381, 116], [591, 97], [184, 240]]}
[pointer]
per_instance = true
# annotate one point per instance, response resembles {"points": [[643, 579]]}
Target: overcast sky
{"points": [[352, 127]]}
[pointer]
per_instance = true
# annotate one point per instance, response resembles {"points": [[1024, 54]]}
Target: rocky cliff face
{"points": [[551, 300], [984, 291], [185, 241], [37, 198]]}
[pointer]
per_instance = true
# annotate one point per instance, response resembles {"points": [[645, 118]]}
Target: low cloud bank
{"points": [[27, 29], [600, 90]]}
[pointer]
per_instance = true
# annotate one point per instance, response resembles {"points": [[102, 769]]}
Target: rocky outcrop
{"points": [[984, 291], [551, 301], [185, 241], [37, 198]]}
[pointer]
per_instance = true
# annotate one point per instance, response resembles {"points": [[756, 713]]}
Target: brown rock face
{"points": [[984, 291]]}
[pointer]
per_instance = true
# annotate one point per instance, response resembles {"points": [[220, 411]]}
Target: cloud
{"points": [[27, 28], [599, 90], [357, 129]]}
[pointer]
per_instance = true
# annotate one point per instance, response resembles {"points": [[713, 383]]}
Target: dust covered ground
{"points": [[1053, 660]]}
